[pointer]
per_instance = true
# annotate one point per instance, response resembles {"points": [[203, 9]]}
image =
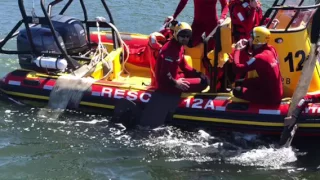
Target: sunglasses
{"points": [[184, 36]]}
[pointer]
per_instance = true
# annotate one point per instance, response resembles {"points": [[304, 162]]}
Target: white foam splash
{"points": [[94, 121], [265, 157], [180, 146]]}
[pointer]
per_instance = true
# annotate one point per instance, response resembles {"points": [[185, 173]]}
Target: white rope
{"points": [[101, 52]]}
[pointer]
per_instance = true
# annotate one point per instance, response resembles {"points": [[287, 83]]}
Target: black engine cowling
{"points": [[71, 35], [72, 31]]}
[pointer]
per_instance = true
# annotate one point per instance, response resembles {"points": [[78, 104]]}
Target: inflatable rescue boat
{"points": [[59, 53]]}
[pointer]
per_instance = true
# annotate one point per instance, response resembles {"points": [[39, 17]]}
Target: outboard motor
{"points": [[44, 43], [72, 37], [73, 33]]}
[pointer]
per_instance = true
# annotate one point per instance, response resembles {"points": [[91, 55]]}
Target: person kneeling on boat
{"points": [[171, 58], [267, 87]]}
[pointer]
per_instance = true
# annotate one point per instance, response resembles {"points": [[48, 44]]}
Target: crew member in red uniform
{"points": [[267, 87], [155, 43], [205, 17], [245, 15], [171, 58]]}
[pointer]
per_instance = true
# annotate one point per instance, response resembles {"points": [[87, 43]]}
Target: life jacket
{"points": [[156, 40]]}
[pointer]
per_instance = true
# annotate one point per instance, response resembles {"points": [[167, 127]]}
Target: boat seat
{"points": [[189, 60], [196, 55]]}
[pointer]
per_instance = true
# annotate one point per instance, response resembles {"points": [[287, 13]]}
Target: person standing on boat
{"points": [[267, 87], [245, 15], [205, 17], [171, 58]]}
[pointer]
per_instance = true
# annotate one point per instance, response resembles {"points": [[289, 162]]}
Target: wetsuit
{"points": [[170, 59], [244, 18], [267, 87], [205, 17]]}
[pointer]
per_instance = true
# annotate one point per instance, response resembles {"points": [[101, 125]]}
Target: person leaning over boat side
{"points": [[205, 17], [267, 87], [171, 58]]}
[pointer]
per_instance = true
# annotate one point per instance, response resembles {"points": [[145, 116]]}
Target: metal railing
{"points": [[28, 21]]}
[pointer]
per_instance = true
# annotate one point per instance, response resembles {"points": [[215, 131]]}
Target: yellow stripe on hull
{"points": [[96, 105], [179, 116], [242, 122], [47, 98], [25, 95]]}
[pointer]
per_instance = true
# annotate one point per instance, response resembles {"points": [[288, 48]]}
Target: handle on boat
{"points": [[303, 84]]}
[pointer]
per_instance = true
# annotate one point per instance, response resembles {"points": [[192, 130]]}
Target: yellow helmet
{"points": [[181, 26], [260, 35]]}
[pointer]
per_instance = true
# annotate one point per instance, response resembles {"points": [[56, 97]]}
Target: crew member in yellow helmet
{"points": [[267, 87], [171, 58]]}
